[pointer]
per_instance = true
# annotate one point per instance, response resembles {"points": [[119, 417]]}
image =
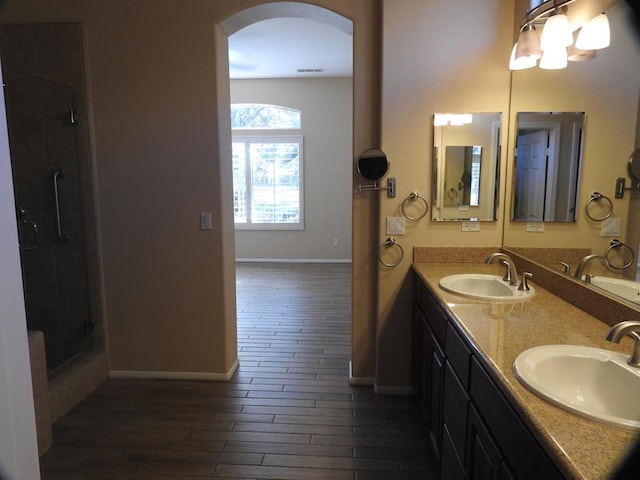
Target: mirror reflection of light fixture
{"points": [[575, 54], [595, 34], [557, 43], [528, 43], [521, 63], [556, 32], [554, 58]]}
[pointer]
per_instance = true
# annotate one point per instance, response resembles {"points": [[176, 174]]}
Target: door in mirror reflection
{"points": [[547, 159]]}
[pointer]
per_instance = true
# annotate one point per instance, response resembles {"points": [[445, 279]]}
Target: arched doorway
{"points": [[250, 17]]}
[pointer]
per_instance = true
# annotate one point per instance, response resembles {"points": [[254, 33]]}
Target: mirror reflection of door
{"points": [[531, 168], [462, 175]]}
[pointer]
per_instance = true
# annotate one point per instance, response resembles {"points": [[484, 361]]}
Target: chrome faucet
{"points": [[630, 328], [511, 274], [586, 260]]}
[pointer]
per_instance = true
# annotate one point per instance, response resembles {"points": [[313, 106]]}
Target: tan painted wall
{"points": [[437, 57], [169, 287]]}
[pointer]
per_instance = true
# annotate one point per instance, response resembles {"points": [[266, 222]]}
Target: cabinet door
{"points": [[483, 459], [434, 426], [417, 350]]}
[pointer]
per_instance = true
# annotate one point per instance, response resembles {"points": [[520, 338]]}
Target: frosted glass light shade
{"points": [[528, 44], [595, 34], [520, 63], [575, 54], [554, 58], [556, 33]]}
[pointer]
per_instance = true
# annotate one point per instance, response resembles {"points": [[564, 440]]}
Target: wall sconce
{"points": [[558, 43]]}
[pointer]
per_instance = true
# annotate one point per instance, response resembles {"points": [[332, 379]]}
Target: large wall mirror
{"points": [[598, 143], [547, 166], [466, 153]]}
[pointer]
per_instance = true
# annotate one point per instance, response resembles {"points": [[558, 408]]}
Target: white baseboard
{"points": [[397, 390], [219, 377], [292, 260], [359, 381]]}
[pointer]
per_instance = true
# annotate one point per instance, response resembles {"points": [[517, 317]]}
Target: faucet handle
{"points": [[524, 284], [567, 267], [507, 272]]}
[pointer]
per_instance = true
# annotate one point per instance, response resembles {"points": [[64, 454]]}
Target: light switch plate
{"points": [[205, 221], [611, 227], [535, 227], [470, 226], [395, 226]]}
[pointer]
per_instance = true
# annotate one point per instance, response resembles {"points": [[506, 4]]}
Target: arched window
{"points": [[257, 116], [267, 167]]}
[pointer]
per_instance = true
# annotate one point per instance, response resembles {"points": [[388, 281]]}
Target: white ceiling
{"points": [[280, 47]]}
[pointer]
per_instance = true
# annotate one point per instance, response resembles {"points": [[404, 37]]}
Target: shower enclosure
{"points": [[52, 180]]}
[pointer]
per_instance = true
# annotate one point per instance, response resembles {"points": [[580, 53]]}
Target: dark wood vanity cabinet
{"points": [[474, 431]]}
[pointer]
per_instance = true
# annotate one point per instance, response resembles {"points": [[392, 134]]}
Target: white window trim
{"points": [[246, 136]]}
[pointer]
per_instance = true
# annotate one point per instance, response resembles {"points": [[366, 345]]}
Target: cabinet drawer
{"points": [[436, 318], [520, 449], [458, 355]]}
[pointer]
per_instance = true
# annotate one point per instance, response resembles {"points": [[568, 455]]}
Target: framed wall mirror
{"points": [[548, 154], [466, 153]]}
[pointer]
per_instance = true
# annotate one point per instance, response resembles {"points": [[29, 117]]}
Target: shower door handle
{"points": [[22, 214], [63, 237]]}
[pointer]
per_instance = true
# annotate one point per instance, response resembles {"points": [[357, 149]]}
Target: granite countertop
{"points": [[583, 448]]}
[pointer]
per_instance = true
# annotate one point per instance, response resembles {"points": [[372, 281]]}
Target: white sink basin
{"points": [[592, 382], [484, 287], [627, 289]]}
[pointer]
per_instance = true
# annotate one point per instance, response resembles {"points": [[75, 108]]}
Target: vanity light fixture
{"points": [[556, 33], [558, 43], [595, 34]]}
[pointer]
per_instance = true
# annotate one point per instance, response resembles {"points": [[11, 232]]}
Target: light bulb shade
{"points": [[595, 34], [520, 63], [528, 44], [575, 54], [554, 58], [556, 33]]}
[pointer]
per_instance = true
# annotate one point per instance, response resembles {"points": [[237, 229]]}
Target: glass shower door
{"points": [[45, 162]]}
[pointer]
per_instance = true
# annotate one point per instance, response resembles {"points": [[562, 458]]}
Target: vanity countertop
{"points": [[583, 448]]}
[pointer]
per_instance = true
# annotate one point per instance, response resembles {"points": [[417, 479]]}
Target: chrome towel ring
{"points": [[617, 245], [389, 243], [597, 197], [414, 196]]}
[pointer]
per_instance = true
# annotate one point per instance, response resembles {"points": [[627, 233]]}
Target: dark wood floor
{"points": [[288, 413]]}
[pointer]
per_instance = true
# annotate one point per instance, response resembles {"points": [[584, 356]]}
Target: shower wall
{"points": [[44, 74]]}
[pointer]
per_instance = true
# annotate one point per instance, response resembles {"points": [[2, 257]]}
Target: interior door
{"points": [[531, 166]]}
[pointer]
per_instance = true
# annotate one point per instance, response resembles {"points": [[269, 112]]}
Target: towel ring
{"points": [[616, 244], [390, 242], [412, 197], [596, 197]]}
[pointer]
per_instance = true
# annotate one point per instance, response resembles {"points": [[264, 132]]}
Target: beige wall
{"points": [[429, 66], [157, 92], [326, 106]]}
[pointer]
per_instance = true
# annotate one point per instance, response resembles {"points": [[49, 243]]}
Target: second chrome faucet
{"points": [[511, 272]]}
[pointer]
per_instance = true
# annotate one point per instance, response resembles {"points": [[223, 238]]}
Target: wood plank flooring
{"points": [[288, 413]]}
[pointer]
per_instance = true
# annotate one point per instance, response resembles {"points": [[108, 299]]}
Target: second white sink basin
{"points": [[627, 289], [484, 287], [591, 382]]}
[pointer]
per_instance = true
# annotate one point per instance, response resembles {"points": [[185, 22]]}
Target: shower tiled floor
{"points": [[288, 413]]}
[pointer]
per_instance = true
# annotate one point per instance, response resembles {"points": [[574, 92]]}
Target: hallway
{"points": [[288, 413]]}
